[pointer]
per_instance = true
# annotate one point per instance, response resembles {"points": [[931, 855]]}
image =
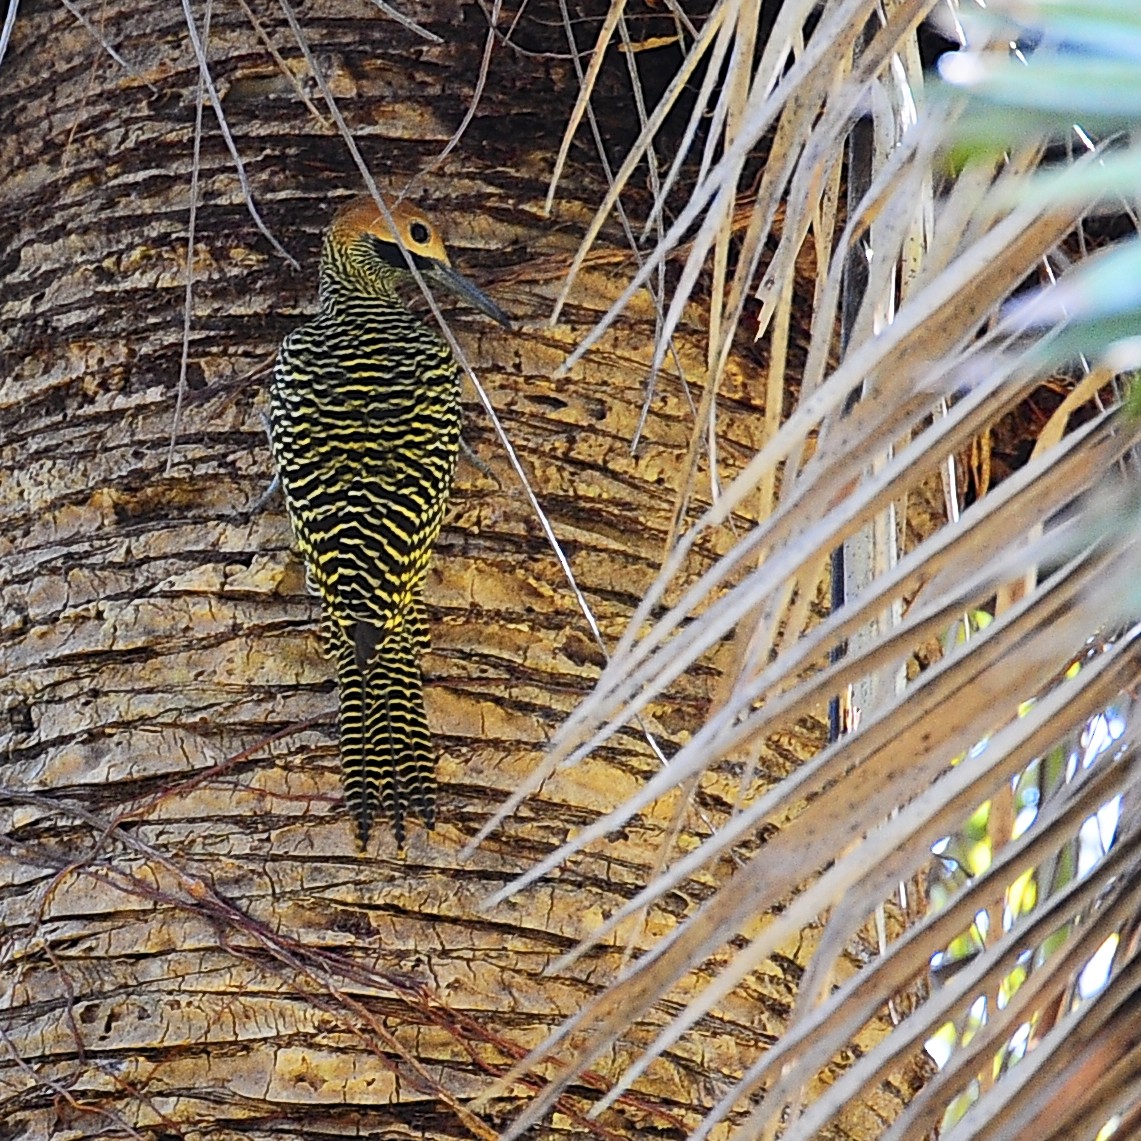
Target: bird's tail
{"points": [[386, 750]]}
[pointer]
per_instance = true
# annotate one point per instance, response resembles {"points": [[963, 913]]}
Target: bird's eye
{"points": [[419, 233]]}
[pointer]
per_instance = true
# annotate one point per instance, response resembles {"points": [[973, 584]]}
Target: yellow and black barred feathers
{"points": [[365, 429]]}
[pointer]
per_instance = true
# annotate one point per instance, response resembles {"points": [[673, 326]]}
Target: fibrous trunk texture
{"points": [[191, 943]]}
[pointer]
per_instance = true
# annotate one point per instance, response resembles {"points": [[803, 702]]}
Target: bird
{"points": [[364, 424]]}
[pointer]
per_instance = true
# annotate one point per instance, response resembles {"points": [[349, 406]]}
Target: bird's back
{"points": [[366, 414]]}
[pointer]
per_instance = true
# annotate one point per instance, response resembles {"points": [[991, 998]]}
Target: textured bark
{"points": [[192, 944]]}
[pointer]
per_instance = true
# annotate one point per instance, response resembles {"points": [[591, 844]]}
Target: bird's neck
{"points": [[340, 292]]}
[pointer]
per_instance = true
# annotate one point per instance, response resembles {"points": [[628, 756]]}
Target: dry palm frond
{"points": [[938, 354]]}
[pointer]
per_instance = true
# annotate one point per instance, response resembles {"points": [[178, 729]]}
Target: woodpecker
{"points": [[365, 431]]}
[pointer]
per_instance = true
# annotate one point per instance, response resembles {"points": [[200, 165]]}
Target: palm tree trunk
{"points": [[192, 944]]}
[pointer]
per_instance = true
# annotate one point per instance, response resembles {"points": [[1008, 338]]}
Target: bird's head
{"points": [[361, 251]]}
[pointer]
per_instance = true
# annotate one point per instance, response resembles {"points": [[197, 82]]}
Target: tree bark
{"points": [[192, 945]]}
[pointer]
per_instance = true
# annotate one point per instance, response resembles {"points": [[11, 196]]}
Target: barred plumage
{"points": [[365, 429]]}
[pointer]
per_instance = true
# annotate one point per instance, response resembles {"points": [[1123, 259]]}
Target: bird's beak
{"points": [[461, 287]]}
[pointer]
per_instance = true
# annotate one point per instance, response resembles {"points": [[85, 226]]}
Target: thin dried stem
{"points": [[224, 127], [188, 297]]}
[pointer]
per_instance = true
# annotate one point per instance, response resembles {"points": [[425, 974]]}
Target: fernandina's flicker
{"points": [[365, 429]]}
